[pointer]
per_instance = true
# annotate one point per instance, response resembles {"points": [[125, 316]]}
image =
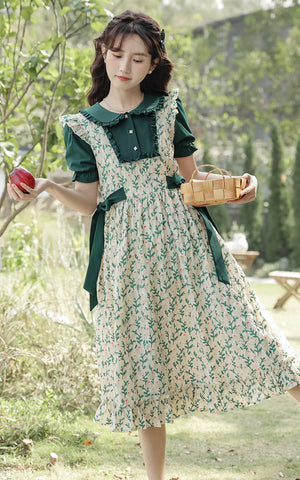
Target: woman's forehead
{"points": [[129, 41]]}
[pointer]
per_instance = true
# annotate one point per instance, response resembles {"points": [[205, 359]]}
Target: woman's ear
{"points": [[154, 65], [104, 51]]}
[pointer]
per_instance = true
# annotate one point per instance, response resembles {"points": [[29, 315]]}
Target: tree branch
{"points": [[3, 119], [61, 63], [12, 216]]}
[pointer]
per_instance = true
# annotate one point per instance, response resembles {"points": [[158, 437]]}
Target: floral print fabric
{"points": [[171, 339]]}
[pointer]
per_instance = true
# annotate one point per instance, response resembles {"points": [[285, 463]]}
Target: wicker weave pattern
{"points": [[199, 193]]}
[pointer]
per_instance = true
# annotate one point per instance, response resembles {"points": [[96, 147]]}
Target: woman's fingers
{"points": [[248, 194], [16, 194]]}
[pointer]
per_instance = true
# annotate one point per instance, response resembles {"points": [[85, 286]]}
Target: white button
{"points": [[135, 148], [130, 131], [126, 116]]}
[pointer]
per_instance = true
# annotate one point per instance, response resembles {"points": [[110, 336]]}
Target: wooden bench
{"points": [[290, 281], [245, 259]]}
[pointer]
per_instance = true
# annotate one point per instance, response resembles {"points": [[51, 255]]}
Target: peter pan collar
{"points": [[101, 116]]}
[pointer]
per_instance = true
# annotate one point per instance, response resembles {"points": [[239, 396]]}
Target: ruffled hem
{"points": [[85, 177], [156, 411]]}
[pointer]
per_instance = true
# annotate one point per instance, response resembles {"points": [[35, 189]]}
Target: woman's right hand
{"points": [[16, 194]]}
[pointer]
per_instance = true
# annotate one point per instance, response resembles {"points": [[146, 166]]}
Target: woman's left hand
{"points": [[249, 192]]}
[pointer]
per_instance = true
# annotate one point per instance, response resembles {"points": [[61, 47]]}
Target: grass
{"points": [[256, 442]]}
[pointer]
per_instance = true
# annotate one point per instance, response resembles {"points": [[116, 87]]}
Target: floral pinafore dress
{"points": [[171, 337]]}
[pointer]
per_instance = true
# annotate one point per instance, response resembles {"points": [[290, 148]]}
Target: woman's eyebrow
{"points": [[135, 53]]}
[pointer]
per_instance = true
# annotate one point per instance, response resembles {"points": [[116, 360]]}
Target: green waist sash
{"points": [[97, 243], [97, 239], [175, 182]]}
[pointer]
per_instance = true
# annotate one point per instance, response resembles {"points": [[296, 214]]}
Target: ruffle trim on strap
{"points": [[172, 101], [78, 124], [158, 410]]}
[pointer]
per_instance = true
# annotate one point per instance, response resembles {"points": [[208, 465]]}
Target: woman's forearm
{"points": [[81, 198]]}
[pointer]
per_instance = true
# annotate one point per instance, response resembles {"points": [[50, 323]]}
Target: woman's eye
{"points": [[116, 55], [138, 61]]}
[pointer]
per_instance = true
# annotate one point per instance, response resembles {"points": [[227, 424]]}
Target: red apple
{"points": [[21, 175]]}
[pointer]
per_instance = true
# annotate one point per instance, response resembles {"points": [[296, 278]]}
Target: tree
{"points": [[279, 232], [251, 213], [265, 72], [41, 76], [296, 208]]}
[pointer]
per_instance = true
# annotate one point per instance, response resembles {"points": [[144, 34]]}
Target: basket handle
{"points": [[214, 169]]}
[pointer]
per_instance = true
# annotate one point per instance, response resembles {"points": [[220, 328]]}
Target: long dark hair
{"points": [[149, 31]]}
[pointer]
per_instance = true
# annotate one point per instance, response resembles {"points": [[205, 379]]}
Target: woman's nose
{"points": [[125, 65]]}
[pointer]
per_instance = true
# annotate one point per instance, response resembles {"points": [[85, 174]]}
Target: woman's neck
{"points": [[121, 103]]}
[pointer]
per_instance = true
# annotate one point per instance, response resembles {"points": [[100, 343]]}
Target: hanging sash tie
{"points": [[174, 182], [97, 243]]}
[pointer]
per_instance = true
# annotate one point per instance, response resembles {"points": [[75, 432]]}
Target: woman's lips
{"points": [[123, 79]]}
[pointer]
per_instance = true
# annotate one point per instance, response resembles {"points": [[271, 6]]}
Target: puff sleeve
{"points": [[183, 137], [80, 157]]}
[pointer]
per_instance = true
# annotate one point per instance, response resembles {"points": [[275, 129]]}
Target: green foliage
{"points": [[296, 209], [41, 293], [34, 240], [32, 420], [56, 357], [279, 232], [41, 76], [231, 80], [251, 213], [265, 70], [20, 250]]}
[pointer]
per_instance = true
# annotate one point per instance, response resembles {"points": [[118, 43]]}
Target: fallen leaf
{"points": [[87, 442]]}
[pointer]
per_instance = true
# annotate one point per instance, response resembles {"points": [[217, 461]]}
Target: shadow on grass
{"points": [[261, 439]]}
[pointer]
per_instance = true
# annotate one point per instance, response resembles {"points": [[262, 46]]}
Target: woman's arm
{"points": [[82, 198], [187, 166]]}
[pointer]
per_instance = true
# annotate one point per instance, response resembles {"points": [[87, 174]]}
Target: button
{"points": [[126, 116], [135, 148], [130, 131]]}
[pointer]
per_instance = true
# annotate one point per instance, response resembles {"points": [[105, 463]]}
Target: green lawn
{"points": [[260, 442]]}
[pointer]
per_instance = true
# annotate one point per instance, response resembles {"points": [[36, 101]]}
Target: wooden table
{"points": [[245, 259], [290, 281]]}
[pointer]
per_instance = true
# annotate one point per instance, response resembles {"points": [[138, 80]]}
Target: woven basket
{"points": [[200, 193]]}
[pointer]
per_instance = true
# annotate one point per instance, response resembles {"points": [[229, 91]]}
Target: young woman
{"points": [[178, 328]]}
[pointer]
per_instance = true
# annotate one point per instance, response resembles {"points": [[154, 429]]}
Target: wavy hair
{"points": [[149, 31]]}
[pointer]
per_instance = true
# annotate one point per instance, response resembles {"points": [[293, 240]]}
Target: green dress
{"points": [[178, 327]]}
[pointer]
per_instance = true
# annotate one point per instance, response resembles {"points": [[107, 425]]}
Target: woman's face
{"points": [[127, 67]]}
